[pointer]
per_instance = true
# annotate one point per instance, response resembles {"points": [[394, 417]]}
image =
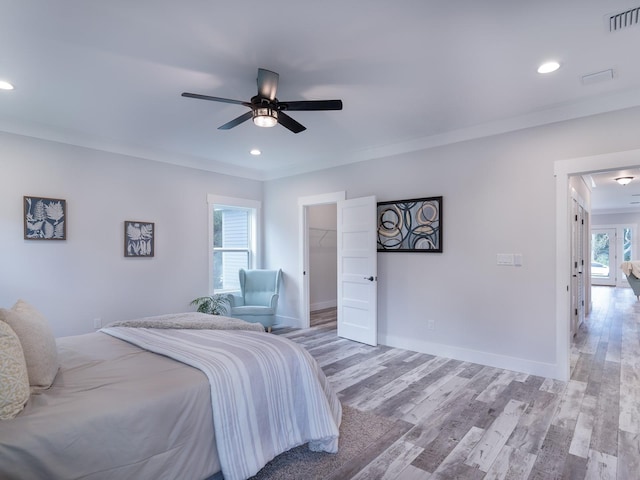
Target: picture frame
{"points": [[44, 218], [139, 238], [413, 225]]}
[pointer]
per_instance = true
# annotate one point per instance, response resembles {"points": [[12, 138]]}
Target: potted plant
{"points": [[216, 304]]}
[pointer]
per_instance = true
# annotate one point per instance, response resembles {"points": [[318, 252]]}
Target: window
{"points": [[626, 244], [233, 238]]}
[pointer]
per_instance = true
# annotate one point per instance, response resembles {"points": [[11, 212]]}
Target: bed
{"points": [[129, 402]]}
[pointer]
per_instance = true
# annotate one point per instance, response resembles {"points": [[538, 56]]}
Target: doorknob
{"points": [[369, 278]]}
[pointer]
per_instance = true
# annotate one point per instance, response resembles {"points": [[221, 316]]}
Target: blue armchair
{"points": [[258, 297]]}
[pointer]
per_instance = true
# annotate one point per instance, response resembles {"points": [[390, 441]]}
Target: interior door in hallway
{"points": [[579, 252]]}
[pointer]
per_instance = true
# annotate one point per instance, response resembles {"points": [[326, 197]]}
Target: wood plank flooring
{"points": [[458, 420], [326, 315]]}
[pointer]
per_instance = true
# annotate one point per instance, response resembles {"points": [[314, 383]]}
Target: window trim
{"points": [[254, 233]]}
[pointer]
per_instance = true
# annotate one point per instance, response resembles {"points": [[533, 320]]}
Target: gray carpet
{"points": [[362, 435]]}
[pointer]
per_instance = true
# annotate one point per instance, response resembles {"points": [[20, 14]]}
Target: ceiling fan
{"points": [[266, 109]]}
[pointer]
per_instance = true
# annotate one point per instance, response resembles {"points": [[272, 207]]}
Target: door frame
{"points": [[562, 170], [303, 247]]}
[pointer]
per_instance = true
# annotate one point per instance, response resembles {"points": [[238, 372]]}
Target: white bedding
{"points": [[116, 410], [268, 394]]}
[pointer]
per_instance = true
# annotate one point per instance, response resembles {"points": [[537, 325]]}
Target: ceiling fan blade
{"points": [[267, 83], [287, 122], [216, 99], [236, 121], [310, 105]]}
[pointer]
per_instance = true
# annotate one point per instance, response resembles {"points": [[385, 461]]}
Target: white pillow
{"points": [[14, 380], [37, 340]]}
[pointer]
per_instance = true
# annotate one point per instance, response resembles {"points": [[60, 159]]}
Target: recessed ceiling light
{"points": [[548, 67], [255, 151], [5, 85]]}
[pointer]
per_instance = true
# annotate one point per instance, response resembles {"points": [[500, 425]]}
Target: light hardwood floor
{"points": [[326, 315], [457, 420]]}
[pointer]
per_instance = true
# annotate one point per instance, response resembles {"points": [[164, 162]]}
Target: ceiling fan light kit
{"points": [[266, 110], [265, 117]]}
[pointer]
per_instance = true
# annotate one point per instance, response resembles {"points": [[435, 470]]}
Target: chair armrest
{"points": [[235, 300], [274, 301]]}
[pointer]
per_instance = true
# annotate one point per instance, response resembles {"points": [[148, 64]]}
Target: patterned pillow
{"points": [[37, 340], [14, 381]]}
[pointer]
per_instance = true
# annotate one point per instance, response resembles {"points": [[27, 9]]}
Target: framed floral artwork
{"points": [[45, 218], [138, 239]]}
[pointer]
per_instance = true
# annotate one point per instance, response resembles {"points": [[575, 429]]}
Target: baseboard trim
{"points": [[531, 367], [322, 305], [283, 321]]}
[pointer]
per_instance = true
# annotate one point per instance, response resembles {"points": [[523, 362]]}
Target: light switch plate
{"points": [[504, 258]]}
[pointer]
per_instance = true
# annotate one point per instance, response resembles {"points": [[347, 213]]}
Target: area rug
{"points": [[360, 432]]}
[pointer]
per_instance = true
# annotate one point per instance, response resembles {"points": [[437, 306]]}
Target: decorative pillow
{"points": [[14, 380], [37, 340]]}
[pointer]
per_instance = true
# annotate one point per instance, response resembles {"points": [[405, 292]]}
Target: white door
{"points": [[357, 270], [578, 267], [603, 256]]}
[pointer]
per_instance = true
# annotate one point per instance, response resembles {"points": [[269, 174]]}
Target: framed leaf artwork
{"points": [[45, 218], [138, 239]]}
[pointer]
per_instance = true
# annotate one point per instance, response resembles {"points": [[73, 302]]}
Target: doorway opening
{"points": [[323, 264], [564, 170], [317, 221], [356, 269]]}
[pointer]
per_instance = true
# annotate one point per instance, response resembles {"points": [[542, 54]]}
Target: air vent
{"points": [[597, 77], [618, 21]]}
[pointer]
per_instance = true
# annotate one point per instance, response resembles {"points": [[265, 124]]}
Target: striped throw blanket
{"points": [[268, 394]]}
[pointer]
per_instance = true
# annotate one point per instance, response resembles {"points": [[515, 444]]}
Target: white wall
{"points": [[86, 277], [628, 218], [499, 197], [323, 260]]}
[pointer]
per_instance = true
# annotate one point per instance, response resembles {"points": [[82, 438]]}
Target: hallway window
{"points": [[600, 243], [626, 244]]}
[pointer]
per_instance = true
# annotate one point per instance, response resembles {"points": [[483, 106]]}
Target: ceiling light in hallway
{"points": [[624, 180]]}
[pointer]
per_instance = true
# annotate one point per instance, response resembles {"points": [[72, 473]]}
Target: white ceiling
{"points": [[607, 196], [411, 74]]}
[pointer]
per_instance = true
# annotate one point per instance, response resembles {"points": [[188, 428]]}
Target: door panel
{"points": [[357, 270]]}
